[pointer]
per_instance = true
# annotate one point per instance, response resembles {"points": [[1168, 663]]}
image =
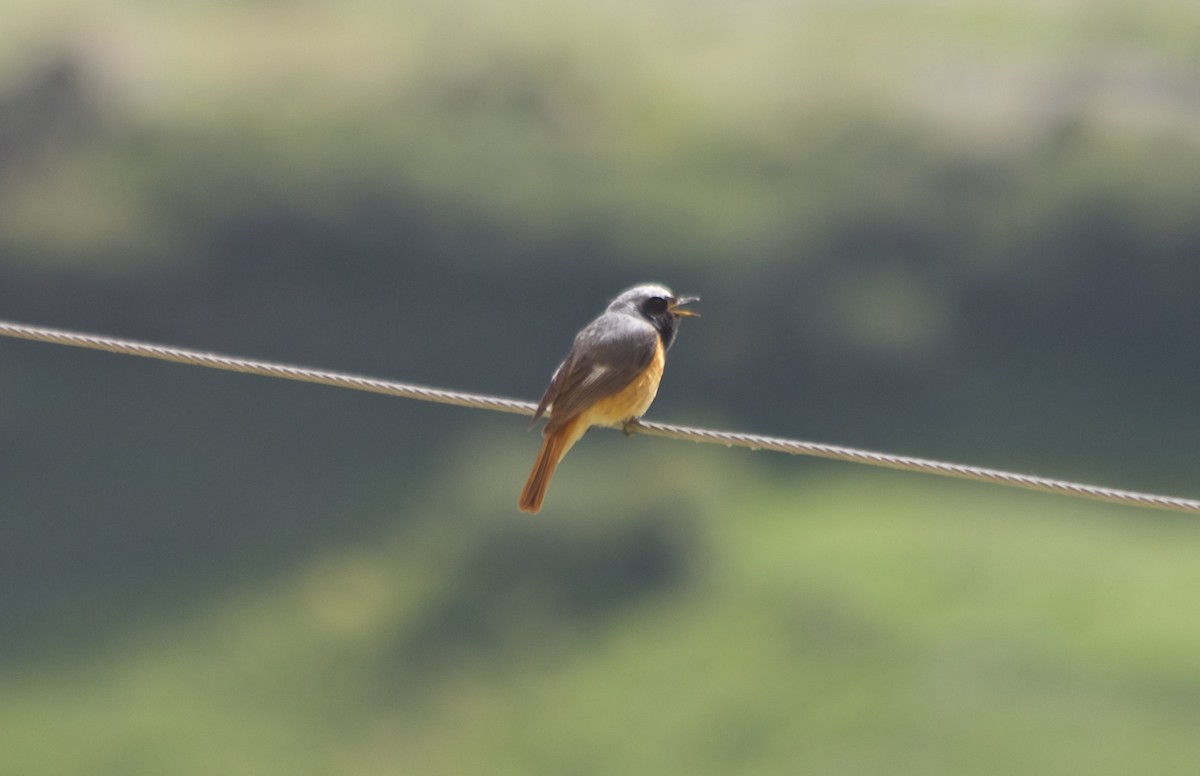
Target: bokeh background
{"points": [[962, 230]]}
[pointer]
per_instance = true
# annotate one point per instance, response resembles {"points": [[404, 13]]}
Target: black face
{"points": [[662, 312], [655, 306]]}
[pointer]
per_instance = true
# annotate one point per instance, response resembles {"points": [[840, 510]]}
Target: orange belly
{"points": [[633, 400]]}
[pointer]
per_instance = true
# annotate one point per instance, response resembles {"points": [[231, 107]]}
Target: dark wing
{"points": [[607, 356]]}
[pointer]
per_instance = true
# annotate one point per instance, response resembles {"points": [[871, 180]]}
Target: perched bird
{"points": [[610, 377]]}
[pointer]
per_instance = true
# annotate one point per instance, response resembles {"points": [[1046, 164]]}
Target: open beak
{"points": [[677, 304]]}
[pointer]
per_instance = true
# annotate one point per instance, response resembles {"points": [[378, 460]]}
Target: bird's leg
{"points": [[629, 426]]}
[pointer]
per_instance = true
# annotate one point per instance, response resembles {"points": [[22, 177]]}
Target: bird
{"points": [[609, 377]]}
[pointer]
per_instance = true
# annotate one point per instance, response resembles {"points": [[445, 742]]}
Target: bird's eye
{"points": [[655, 305]]}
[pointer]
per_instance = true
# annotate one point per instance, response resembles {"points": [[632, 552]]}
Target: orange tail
{"points": [[554, 447]]}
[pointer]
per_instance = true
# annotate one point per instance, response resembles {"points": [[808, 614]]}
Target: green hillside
{"points": [[965, 231], [836, 623]]}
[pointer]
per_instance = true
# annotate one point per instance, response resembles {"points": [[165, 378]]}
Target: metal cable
{"points": [[517, 407]]}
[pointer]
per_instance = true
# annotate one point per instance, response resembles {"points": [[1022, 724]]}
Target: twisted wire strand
{"points": [[666, 430]]}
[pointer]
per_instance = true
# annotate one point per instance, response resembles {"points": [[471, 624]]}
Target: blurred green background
{"points": [[962, 230]]}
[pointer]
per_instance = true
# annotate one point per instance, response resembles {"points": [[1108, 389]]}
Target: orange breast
{"points": [[633, 400]]}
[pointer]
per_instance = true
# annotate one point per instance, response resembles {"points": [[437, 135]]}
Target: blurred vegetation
{"points": [[963, 231]]}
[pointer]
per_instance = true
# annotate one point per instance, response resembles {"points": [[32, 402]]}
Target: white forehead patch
{"points": [[645, 291]]}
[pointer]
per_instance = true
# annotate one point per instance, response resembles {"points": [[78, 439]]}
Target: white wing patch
{"points": [[595, 375]]}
